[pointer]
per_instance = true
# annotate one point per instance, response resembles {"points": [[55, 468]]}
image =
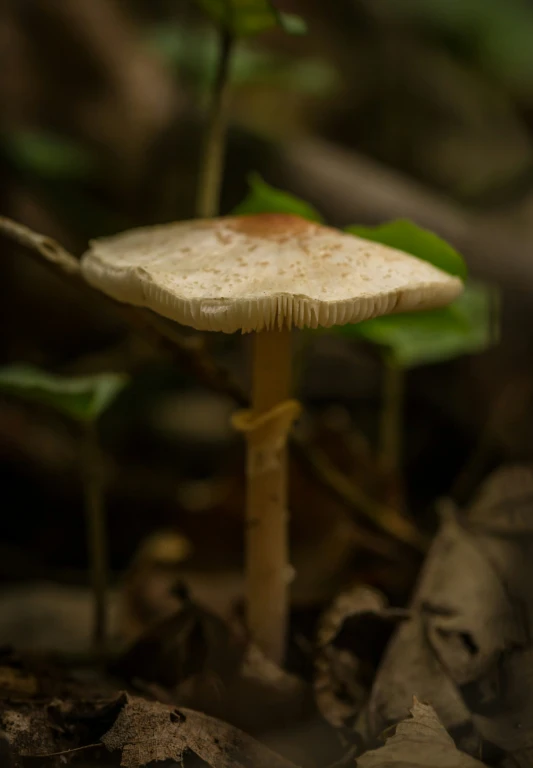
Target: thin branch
{"points": [[193, 355], [211, 172], [187, 350], [383, 517], [51, 251], [67, 751]]}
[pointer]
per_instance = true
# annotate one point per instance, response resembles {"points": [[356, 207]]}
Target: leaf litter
{"points": [[140, 730], [197, 659], [462, 651], [147, 731], [467, 647]]}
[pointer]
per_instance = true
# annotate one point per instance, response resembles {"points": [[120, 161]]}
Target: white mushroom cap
{"points": [[258, 272]]}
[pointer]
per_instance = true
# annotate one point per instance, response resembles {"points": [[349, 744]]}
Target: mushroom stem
{"points": [[93, 487], [272, 369], [267, 546]]}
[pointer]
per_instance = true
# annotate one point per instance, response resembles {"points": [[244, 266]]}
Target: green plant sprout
{"points": [[233, 19], [469, 325], [266, 199], [83, 400]]}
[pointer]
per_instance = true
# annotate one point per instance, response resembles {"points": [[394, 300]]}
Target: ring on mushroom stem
{"points": [[265, 273]]}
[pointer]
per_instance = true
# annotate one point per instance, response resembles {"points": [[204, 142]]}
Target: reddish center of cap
{"points": [[269, 225]]}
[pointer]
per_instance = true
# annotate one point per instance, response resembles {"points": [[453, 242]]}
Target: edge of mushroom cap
{"points": [[257, 314]]}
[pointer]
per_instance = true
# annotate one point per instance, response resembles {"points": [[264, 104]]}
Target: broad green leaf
{"points": [[469, 325], [250, 17], [194, 54], [83, 398], [407, 236], [262, 198], [47, 156]]}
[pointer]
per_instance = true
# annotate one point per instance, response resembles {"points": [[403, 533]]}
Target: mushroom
{"points": [[266, 274]]}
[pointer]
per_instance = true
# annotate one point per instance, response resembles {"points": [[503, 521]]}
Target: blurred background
{"points": [[385, 109]]}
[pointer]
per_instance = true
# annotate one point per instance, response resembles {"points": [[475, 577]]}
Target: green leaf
{"points": [[250, 17], [47, 156], [82, 398], [262, 198], [469, 325], [407, 236]]}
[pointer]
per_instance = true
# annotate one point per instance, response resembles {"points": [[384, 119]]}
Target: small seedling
{"points": [[233, 19], [83, 400]]}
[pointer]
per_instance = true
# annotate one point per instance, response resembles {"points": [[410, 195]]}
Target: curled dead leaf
{"points": [[351, 637], [467, 648], [420, 741]]}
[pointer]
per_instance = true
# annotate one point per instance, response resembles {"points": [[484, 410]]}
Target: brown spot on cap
{"points": [[222, 238], [271, 226]]}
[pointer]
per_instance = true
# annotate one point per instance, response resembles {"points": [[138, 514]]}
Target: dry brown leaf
{"points": [[193, 641], [419, 742], [147, 731], [468, 648], [27, 731], [351, 635]]}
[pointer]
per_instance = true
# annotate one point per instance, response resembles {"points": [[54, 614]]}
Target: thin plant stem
{"points": [[93, 488], [212, 168], [391, 428]]}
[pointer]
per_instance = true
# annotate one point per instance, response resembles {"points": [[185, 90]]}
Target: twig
{"points": [[191, 350], [67, 751], [52, 252], [210, 178], [218, 379], [386, 518], [161, 334]]}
